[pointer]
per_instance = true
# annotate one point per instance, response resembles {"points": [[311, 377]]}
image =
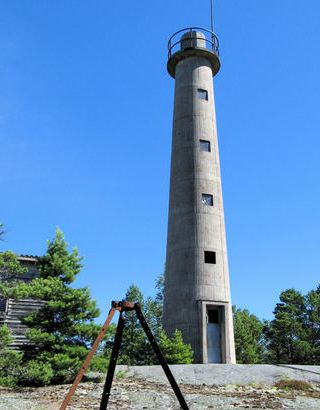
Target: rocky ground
{"points": [[133, 393]]}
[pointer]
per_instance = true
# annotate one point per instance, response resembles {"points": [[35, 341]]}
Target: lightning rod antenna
{"points": [[211, 14]]}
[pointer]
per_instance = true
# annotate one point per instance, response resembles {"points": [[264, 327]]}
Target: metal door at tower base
{"points": [[214, 334]]}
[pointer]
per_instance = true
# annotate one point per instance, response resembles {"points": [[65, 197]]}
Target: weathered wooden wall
{"points": [[11, 310], [15, 309]]}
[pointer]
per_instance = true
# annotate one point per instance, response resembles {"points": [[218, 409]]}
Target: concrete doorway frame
{"points": [[222, 306]]}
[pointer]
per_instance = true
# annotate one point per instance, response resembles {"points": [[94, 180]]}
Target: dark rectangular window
{"points": [[202, 94], [209, 257], [213, 316], [3, 305], [205, 146], [207, 199]]}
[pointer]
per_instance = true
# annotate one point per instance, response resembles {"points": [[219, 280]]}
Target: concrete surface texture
{"points": [[225, 374], [211, 386], [130, 393], [196, 229]]}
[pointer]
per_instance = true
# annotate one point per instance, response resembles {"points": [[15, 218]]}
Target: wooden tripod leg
{"points": [[161, 358], [112, 364], [87, 360]]}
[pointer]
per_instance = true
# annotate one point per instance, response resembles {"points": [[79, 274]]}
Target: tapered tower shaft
{"points": [[197, 292]]}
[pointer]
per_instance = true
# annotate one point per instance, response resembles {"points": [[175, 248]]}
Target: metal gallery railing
{"points": [[210, 40]]}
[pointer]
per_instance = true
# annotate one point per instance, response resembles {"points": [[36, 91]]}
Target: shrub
{"points": [[36, 373], [63, 330], [293, 385], [99, 363], [10, 360], [174, 349]]}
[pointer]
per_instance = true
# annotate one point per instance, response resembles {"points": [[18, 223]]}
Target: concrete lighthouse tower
{"points": [[197, 292]]}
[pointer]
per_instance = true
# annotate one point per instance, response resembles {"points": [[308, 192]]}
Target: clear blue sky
{"points": [[85, 133]]}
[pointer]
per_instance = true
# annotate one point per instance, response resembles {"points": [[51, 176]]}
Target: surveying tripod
{"points": [[121, 307]]}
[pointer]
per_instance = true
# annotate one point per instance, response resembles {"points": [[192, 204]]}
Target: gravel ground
{"points": [[131, 393]]}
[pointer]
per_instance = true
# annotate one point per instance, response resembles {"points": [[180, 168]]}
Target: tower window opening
{"points": [[210, 257], [3, 305], [205, 146], [207, 199], [213, 316], [202, 94]]}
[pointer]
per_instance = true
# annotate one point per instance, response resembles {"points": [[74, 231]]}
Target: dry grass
{"points": [[293, 385]]}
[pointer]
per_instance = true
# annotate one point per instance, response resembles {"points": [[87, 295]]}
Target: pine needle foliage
{"points": [[10, 360], [63, 330], [248, 335], [136, 349], [10, 271], [293, 336]]}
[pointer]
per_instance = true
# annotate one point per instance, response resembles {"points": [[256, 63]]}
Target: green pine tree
{"points": [[136, 349], [293, 336], [10, 270], [10, 360], [174, 349], [312, 320], [248, 334], [63, 330], [133, 341]]}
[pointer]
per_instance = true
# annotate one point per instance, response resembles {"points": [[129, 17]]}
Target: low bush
{"points": [[99, 363], [10, 361], [293, 385], [36, 373]]}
